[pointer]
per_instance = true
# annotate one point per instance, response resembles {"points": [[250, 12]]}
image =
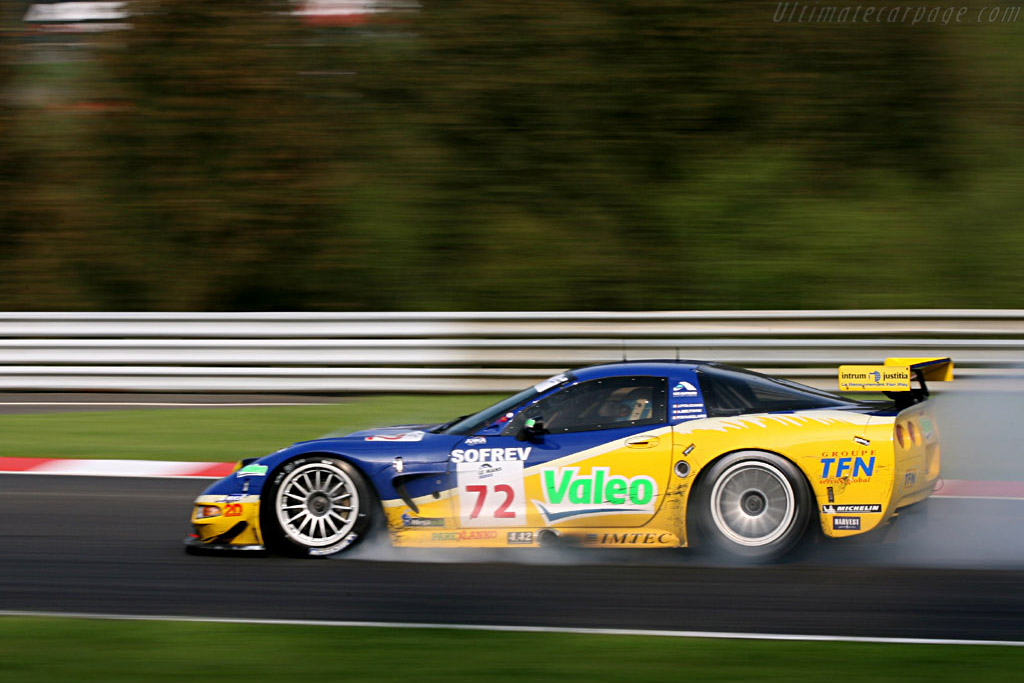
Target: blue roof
{"points": [[635, 367]]}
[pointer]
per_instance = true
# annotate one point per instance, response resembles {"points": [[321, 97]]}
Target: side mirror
{"points": [[533, 430]]}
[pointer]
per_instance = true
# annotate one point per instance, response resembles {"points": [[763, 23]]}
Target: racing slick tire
{"points": [[752, 507], [316, 506]]}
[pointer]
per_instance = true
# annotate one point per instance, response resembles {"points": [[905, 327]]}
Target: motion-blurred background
{"points": [[533, 155], [346, 197]]}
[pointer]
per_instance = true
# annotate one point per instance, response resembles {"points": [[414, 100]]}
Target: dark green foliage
{"points": [[543, 154]]}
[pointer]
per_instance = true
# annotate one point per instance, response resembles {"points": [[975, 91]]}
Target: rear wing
{"points": [[895, 376]]}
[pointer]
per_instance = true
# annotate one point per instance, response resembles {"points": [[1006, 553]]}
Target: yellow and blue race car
{"points": [[623, 455]]}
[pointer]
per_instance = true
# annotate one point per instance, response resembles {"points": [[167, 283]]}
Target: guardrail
{"points": [[480, 351]]}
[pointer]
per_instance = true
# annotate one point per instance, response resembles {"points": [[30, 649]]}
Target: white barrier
{"points": [[485, 351]]}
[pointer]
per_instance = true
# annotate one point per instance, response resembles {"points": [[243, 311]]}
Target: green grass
{"points": [[49, 649], [213, 434]]}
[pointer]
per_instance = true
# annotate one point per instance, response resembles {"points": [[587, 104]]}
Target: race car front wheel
{"points": [[316, 506], [753, 506]]}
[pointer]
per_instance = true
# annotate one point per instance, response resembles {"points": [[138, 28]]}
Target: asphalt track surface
{"points": [[113, 545]]}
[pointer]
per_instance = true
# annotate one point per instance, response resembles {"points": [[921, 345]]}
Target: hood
{"points": [[402, 433], [383, 444]]}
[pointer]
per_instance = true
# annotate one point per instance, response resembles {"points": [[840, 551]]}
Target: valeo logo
{"points": [[567, 493]]}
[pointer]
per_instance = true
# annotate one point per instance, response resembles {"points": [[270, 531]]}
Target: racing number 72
{"points": [[502, 511]]}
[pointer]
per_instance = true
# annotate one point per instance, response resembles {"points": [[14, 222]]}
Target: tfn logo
{"points": [[841, 467]]}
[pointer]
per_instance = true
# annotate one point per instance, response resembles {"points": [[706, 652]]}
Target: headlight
{"points": [[205, 511]]}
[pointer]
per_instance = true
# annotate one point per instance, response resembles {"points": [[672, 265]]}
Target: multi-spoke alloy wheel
{"points": [[753, 505], [320, 506], [317, 504]]}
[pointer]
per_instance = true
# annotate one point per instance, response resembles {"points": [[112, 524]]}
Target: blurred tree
{"points": [[543, 154], [9, 161], [225, 168], [561, 139]]}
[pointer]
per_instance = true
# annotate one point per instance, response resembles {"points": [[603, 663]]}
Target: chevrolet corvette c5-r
{"points": [[625, 455]]}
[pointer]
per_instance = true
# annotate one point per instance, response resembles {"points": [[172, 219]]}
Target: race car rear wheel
{"points": [[753, 506], [316, 506]]}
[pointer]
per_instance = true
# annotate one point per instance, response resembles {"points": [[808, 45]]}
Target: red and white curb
{"points": [[947, 488], [115, 468]]}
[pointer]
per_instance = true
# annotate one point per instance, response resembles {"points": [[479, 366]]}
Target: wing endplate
{"points": [[933, 369]]}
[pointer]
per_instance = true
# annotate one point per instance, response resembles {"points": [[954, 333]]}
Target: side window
{"points": [[726, 396], [598, 404], [730, 392]]}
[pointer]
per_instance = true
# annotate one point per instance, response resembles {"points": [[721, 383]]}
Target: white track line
{"points": [[518, 629]]}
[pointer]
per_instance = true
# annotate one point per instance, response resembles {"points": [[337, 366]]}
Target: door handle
{"points": [[644, 441]]}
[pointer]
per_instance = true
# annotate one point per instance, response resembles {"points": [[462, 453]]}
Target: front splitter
{"points": [[194, 546]]}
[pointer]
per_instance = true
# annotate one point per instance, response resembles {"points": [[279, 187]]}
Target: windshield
{"points": [[471, 423]]}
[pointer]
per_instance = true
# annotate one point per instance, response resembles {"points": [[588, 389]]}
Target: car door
{"points": [[594, 453]]}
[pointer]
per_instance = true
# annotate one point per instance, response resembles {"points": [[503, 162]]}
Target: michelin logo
{"points": [[846, 509], [490, 454]]}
